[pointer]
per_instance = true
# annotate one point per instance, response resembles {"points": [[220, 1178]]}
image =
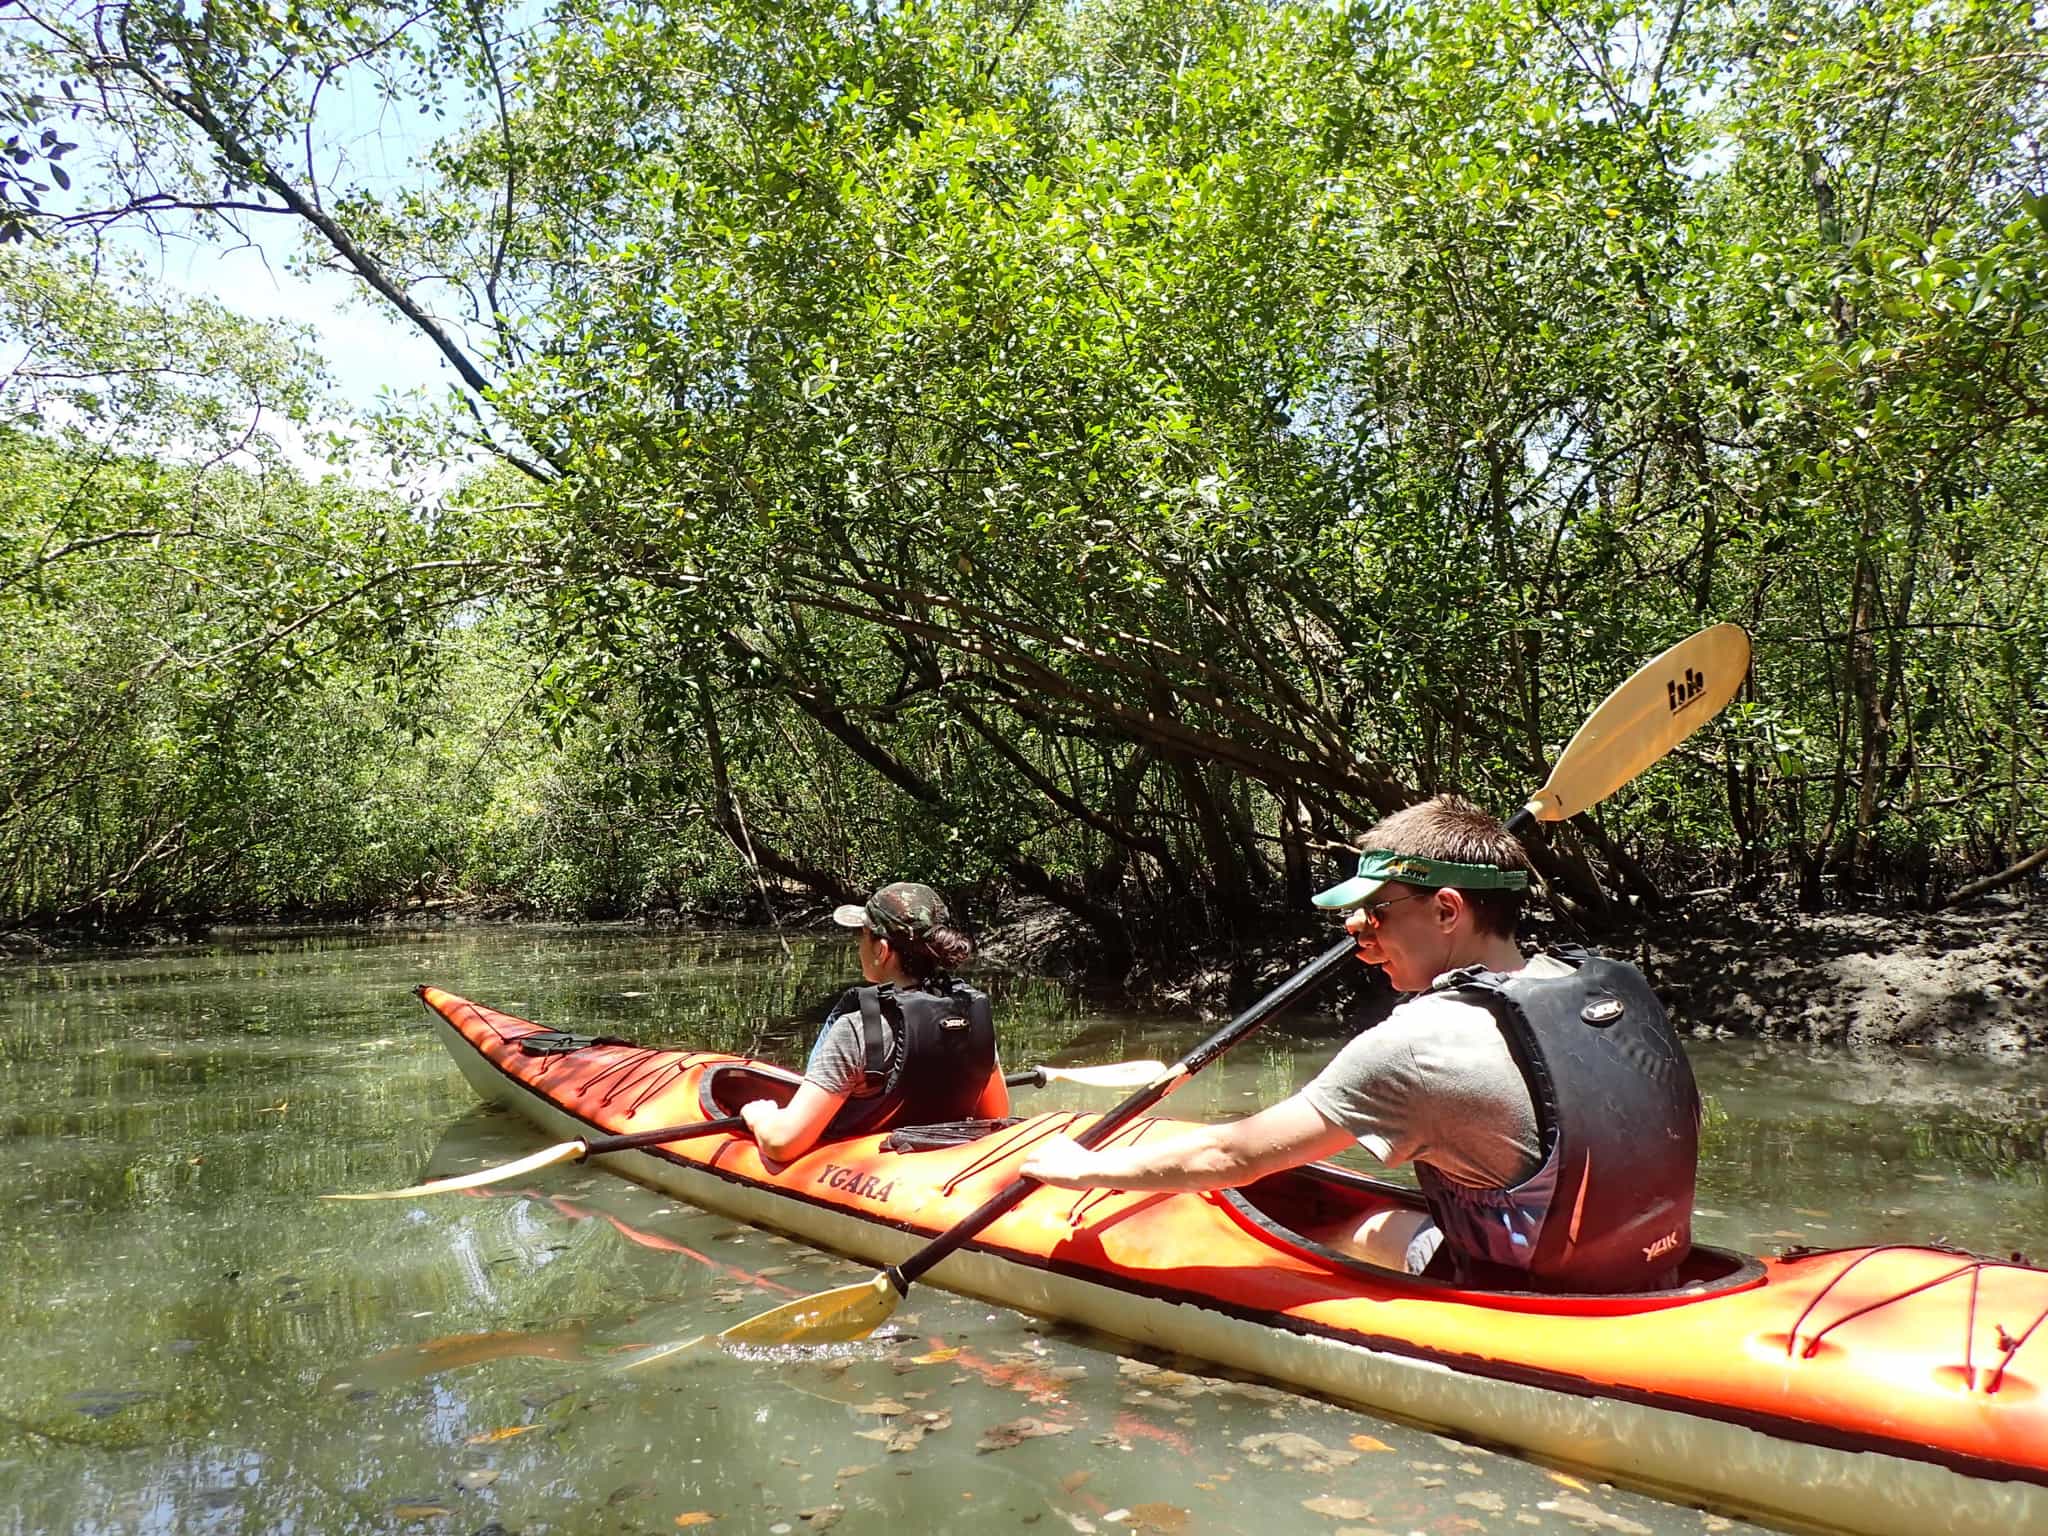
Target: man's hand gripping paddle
{"points": [[1639, 723]]}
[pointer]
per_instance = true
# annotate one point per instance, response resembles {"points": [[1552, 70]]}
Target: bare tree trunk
{"points": [[2004, 877], [1220, 850], [1298, 873], [1872, 723], [725, 812], [1105, 921]]}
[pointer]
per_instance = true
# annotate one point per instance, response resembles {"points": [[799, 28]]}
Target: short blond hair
{"points": [[1452, 828]]}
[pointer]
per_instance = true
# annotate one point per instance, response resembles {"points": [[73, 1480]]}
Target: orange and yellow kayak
{"points": [[1894, 1390]]}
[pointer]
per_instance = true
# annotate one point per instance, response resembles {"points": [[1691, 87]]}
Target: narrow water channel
{"points": [[191, 1342]]}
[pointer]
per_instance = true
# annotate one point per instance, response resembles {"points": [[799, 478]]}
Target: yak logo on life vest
{"points": [[1682, 691], [1665, 1244], [954, 1021], [854, 1182]]}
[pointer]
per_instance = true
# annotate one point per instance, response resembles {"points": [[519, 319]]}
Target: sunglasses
{"points": [[1372, 913]]}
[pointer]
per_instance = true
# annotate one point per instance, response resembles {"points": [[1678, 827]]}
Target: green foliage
{"points": [[168, 753], [212, 693], [1116, 451]]}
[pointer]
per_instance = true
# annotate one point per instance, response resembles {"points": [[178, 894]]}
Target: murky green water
{"points": [[190, 1342]]}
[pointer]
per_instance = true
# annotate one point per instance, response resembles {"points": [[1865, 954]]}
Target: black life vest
{"points": [[1609, 1207], [930, 1052]]}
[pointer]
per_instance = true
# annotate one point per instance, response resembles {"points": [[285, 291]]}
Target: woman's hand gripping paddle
{"points": [[1115, 1074], [1666, 700]]}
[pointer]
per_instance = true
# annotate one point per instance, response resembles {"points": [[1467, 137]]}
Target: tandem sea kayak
{"points": [[1895, 1390]]}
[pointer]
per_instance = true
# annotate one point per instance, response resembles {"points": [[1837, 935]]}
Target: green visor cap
{"points": [[1376, 867]]}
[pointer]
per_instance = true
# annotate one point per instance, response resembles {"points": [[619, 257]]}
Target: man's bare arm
{"points": [[1289, 1134]]}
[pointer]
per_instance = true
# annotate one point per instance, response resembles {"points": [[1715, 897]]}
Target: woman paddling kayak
{"points": [[915, 1046]]}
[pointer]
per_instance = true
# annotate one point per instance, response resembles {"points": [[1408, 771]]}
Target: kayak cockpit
{"points": [[726, 1086], [1309, 1210]]}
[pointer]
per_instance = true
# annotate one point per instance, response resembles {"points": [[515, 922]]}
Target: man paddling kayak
{"points": [[915, 1046], [1545, 1101]]}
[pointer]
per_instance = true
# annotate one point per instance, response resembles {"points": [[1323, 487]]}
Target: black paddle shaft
{"points": [[660, 1134], [906, 1274], [1034, 1078]]}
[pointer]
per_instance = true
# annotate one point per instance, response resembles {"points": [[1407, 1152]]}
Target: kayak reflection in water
{"points": [[1544, 1099], [914, 1046]]}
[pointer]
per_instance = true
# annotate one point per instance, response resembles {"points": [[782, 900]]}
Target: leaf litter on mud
{"points": [[1001, 1437]]}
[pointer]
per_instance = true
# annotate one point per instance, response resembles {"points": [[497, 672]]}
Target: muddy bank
{"points": [[1975, 979]]}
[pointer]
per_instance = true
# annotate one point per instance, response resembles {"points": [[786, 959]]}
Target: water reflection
{"points": [[193, 1343]]}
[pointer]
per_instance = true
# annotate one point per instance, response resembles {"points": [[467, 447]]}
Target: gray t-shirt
{"points": [[838, 1061], [1436, 1083]]}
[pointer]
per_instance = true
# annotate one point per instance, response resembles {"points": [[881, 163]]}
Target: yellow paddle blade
{"points": [[1669, 697], [1117, 1074], [567, 1151], [830, 1317]]}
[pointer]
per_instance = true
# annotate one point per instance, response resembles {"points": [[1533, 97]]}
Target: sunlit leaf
{"points": [[1337, 1508], [1290, 1449], [1585, 1513], [1002, 1436], [509, 1432], [1158, 1517]]}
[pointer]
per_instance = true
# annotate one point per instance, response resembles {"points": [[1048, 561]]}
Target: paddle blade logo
{"points": [[1681, 691]]}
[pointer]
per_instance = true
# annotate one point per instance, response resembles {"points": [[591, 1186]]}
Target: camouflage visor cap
{"points": [[905, 908]]}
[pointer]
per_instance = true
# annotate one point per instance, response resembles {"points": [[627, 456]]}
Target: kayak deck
{"points": [[1887, 1389]]}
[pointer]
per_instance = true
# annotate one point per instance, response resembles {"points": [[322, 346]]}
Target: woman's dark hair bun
{"points": [[939, 953]]}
